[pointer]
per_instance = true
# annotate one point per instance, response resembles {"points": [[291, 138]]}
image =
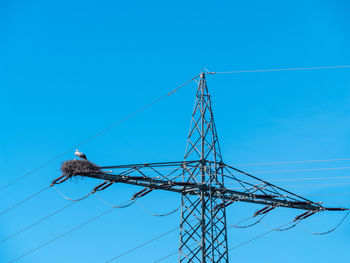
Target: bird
{"points": [[80, 155]]}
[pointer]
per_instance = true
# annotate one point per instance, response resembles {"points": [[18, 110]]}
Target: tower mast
{"points": [[203, 225]]}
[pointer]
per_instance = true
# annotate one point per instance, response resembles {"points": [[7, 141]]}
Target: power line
{"points": [[302, 170], [62, 235], [158, 215], [112, 205], [142, 245], [98, 134], [297, 179], [259, 236], [42, 190], [71, 199], [265, 233], [280, 69], [167, 256], [24, 200], [328, 194], [336, 202], [282, 180], [66, 233], [268, 232], [39, 192], [37, 222], [115, 206], [168, 232], [329, 231], [127, 252], [56, 212], [292, 162], [306, 185], [234, 225], [272, 171]]}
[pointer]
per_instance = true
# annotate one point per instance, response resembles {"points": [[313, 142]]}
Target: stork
{"points": [[80, 155]]}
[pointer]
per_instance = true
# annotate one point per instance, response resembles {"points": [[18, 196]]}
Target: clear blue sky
{"points": [[70, 68]]}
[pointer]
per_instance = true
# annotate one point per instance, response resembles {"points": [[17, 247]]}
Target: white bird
{"points": [[80, 154]]}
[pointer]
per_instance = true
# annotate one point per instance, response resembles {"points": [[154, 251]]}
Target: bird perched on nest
{"points": [[80, 155]]}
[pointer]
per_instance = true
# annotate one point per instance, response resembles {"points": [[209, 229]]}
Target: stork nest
{"points": [[79, 167]]}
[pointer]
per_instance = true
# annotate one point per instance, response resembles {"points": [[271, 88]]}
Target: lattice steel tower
{"points": [[203, 235], [199, 178]]}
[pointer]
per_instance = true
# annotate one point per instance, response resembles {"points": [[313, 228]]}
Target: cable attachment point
{"points": [[171, 92], [141, 193], [102, 186], [336, 209], [304, 215], [264, 210], [183, 183], [264, 196], [224, 204], [60, 180]]}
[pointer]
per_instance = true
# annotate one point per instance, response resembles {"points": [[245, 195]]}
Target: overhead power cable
{"points": [[273, 171], [24, 200], [158, 215], [271, 70], [296, 179], [280, 228], [336, 202], [37, 222], [250, 225], [259, 236], [283, 227], [139, 110], [167, 256], [237, 225], [305, 185], [328, 194], [292, 162], [302, 170], [142, 245], [60, 210], [141, 206], [329, 231], [39, 192], [67, 232], [62, 235], [71, 199], [112, 205]]}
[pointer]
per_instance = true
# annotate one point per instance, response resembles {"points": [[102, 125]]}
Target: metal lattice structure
{"points": [[203, 234], [199, 178]]}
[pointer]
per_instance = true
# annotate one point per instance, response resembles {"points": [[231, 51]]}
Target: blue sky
{"points": [[71, 68]]}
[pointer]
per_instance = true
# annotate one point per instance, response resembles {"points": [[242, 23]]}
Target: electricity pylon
{"points": [[199, 178], [203, 235]]}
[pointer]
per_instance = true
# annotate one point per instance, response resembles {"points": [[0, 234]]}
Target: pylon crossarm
{"points": [[264, 185], [195, 189], [183, 171], [171, 176]]}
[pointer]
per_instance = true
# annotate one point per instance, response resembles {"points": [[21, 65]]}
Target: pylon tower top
{"points": [[203, 235]]}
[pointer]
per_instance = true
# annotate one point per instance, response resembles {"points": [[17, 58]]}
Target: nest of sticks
{"points": [[79, 167]]}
